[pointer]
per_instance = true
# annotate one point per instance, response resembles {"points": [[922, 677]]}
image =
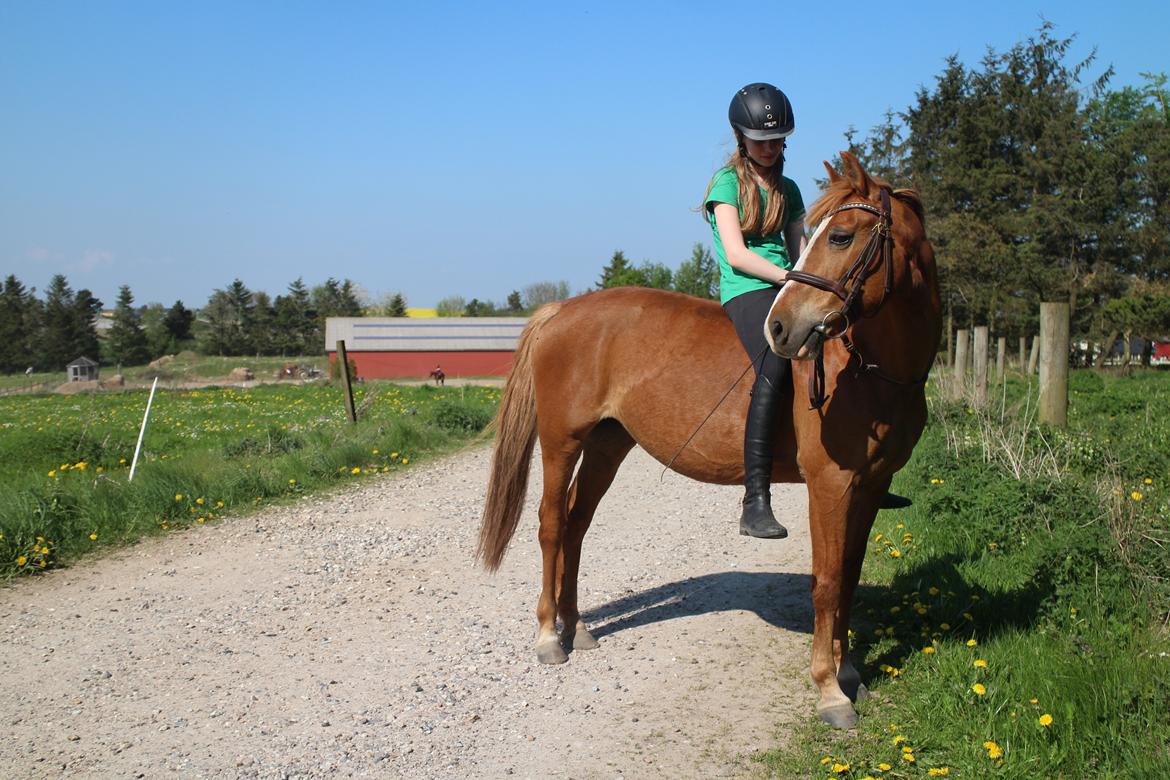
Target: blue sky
{"points": [[438, 148]]}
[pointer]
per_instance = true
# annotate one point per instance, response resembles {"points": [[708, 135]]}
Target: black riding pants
{"points": [[747, 313]]}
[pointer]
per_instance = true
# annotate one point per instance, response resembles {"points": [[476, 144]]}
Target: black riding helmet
{"points": [[761, 112]]}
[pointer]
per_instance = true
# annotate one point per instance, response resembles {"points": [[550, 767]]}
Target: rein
{"points": [[877, 252]]}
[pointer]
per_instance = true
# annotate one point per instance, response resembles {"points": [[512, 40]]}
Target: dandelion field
{"points": [[1013, 622], [206, 453]]}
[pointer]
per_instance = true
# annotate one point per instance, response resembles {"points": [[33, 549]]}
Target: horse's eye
{"points": [[840, 238]]}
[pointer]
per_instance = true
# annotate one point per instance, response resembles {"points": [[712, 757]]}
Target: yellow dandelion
{"points": [[909, 758], [884, 767], [292, 482], [53, 473], [839, 768], [898, 740], [219, 504], [994, 751], [99, 469], [928, 651], [21, 560], [200, 519], [80, 465], [978, 689], [1147, 481], [355, 470], [895, 554], [1072, 611], [178, 496], [907, 749], [945, 626], [393, 454], [938, 771], [878, 538], [1035, 701], [93, 537], [934, 591], [199, 501], [405, 461], [826, 760], [1136, 496], [1046, 720], [979, 663], [971, 642]]}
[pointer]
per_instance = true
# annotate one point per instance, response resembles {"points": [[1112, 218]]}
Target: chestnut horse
{"points": [[597, 374]]}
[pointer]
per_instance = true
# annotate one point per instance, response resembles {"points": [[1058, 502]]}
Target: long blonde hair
{"points": [[751, 221]]}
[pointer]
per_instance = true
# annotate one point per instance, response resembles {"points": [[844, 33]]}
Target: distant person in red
{"points": [[438, 375]]}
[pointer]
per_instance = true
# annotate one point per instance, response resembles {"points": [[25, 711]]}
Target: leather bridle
{"points": [[877, 252]]}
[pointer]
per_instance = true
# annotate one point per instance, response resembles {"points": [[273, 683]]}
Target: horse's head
{"points": [[868, 246]]}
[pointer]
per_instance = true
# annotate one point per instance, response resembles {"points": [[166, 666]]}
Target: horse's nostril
{"points": [[777, 328]]}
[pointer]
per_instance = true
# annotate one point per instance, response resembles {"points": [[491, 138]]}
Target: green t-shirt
{"points": [[725, 189]]}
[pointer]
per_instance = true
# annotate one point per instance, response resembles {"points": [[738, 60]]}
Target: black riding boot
{"points": [[757, 518]]}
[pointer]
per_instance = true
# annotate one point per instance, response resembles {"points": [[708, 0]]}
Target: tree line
{"points": [[47, 334], [1040, 183]]}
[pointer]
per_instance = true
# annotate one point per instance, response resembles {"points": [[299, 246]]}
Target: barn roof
{"points": [[439, 334]]}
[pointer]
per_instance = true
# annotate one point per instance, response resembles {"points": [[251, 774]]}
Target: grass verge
{"points": [[64, 490], [1012, 623]]}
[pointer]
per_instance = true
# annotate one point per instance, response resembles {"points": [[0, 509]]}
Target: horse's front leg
{"points": [[839, 522], [864, 504]]}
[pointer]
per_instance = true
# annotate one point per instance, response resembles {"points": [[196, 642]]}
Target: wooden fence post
{"points": [[346, 381], [1054, 363], [1033, 356], [1000, 358], [1023, 354], [962, 361], [980, 373]]}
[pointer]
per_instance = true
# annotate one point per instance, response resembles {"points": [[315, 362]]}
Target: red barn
{"points": [[399, 347]]}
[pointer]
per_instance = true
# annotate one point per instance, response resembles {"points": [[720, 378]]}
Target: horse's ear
{"points": [[856, 174], [834, 177]]}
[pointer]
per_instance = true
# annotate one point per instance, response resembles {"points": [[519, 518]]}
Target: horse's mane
{"points": [[842, 191]]}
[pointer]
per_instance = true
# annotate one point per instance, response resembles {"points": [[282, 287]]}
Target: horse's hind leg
{"points": [[605, 448], [558, 462]]}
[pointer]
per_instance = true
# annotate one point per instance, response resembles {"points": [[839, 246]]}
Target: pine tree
{"points": [[126, 340], [178, 322], [613, 274], [15, 310], [56, 338], [698, 276], [84, 313], [397, 306]]}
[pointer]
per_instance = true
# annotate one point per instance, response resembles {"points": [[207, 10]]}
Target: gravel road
{"points": [[351, 635]]}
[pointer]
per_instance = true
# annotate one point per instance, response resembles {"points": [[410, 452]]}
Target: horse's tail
{"points": [[515, 426]]}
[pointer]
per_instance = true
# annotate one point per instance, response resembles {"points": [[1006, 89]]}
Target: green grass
{"points": [[1042, 553], [64, 488]]}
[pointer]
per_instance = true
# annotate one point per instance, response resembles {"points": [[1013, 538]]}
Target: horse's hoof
{"points": [[862, 693], [839, 716], [551, 653], [581, 639]]}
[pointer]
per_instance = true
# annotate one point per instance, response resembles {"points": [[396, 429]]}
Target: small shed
{"points": [[82, 370]]}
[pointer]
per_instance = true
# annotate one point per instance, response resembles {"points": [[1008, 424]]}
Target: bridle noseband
{"points": [[877, 252]]}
